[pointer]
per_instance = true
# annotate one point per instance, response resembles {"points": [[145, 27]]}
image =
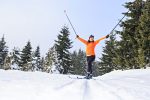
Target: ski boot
{"points": [[88, 76]]}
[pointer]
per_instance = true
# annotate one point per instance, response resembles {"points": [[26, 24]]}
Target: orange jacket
{"points": [[90, 46]]}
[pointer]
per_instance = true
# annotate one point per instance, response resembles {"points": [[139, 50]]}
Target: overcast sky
{"points": [[41, 20]]}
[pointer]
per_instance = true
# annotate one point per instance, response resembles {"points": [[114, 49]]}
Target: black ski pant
{"points": [[90, 60]]}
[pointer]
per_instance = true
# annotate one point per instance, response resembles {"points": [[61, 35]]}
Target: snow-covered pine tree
{"points": [[63, 44], [36, 60], [42, 64], [3, 52], [50, 60], [143, 38], [26, 57], [127, 47], [15, 56], [7, 62], [78, 62]]}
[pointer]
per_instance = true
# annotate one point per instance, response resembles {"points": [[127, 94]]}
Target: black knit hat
{"points": [[91, 36]]}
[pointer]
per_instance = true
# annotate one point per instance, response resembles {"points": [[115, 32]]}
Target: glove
{"points": [[77, 36], [107, 36]]}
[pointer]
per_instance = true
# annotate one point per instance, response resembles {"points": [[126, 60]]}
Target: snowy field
{"points": [[117, 85]]}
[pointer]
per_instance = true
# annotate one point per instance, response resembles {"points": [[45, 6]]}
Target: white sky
{"points": [[41, 20]]}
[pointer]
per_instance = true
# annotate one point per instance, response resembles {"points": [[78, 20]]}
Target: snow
{"points": [[14, 66], [117, 85]]}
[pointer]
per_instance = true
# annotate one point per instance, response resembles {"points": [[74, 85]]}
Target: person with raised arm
{"points": [[90, 52]]}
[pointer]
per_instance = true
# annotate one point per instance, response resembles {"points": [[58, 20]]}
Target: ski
{"points": [[76, 77], [81, 78]]}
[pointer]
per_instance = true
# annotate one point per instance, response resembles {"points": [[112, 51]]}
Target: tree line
{"points": [[58, 59], [131, 51]]}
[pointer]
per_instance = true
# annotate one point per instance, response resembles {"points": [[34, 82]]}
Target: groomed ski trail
{"points": [[108, 90], [93, 90], [117, 85]]}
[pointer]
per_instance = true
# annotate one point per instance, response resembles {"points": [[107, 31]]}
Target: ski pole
{"points": [[118, 23], [70, 22]]}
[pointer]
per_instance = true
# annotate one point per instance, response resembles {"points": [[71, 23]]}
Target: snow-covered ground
{"points": [[117, 85]]}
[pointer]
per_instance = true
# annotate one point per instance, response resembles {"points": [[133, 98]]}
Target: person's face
{"points": [[91, 38]]}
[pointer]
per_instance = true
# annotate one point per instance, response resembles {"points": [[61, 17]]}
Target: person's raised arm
{"points": [[82, 40], [97, 41]]}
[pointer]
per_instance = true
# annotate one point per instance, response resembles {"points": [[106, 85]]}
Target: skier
{"points": [[90, 52]]}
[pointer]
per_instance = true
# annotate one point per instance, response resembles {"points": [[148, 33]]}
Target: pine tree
{"points": [[3, 52], [107, 63], [7, 62], [36, 60], [99, 68], [143, 38], [63, 44], [42, 63], [15, 55], [127, 47], [50, 59], [26, 57], [78, 62]]}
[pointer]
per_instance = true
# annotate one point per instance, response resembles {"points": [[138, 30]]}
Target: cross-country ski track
{"points": [[117, 85]]}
